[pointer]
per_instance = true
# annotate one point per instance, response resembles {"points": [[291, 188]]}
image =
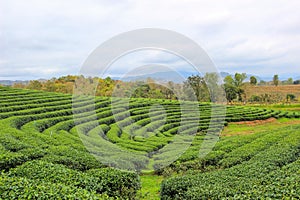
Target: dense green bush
{"points": [[271, 173], [23, 188], [111, 182], [116, 183]]}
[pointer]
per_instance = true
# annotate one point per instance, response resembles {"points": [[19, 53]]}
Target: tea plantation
{"points": [[51, 144]]}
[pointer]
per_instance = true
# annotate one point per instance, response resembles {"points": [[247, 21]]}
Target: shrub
{"points": [[111, 182], [23, 188]]}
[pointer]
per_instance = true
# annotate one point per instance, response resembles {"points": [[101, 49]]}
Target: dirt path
{"points": [[256, 122]]}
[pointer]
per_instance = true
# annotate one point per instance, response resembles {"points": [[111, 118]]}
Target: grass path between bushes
{"points": [[150, 186]]}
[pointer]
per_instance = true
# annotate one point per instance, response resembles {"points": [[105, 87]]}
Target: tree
{"points": [[290, 97], [199, 88], [141, 90], [234, 86], [213, 83], [262, 82], [18, 85], [239, 79], [105, 86], [168, 90], [34, 85], [50, 86], [230, 89], [275, 80], [290, 81], [253, 80], [297, 82], [255, 98]]}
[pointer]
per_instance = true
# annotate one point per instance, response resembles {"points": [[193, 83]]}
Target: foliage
{"points": [[198, 88], [23, 188], [138, 89], [111, 182], [234, 86], [290, 97], [276, 80], [271, 172], [296, 82], [253, 80], [35, 85]]}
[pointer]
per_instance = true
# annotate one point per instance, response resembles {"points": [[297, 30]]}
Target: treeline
{"points": [[196, 88], [275, 81]]}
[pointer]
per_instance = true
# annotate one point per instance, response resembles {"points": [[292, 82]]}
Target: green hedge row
{"points": [[23, 188], [270, 174], [113, 183]]}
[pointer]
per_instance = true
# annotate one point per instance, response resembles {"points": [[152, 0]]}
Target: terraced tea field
{"points": [[52, 145], [265, 165]]}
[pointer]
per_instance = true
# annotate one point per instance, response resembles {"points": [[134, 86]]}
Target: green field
{"points": [[52, 145]]}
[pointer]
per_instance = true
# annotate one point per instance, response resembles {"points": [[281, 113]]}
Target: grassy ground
{"points": [[281, 90], [256, 127], [150, 186]]}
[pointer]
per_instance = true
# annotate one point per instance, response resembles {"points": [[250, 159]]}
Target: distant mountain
{"points": [[42, 80], [9, 82], [164, 76], [159, 76]]}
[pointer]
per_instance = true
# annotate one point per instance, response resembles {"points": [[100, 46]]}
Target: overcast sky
{"points": [[43, 39]]}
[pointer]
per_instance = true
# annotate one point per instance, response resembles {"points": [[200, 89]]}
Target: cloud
{"points": [[42, 39]]}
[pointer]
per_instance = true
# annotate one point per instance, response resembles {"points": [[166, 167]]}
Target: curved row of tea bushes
{"points": [[270, 173], [113, 183]]}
